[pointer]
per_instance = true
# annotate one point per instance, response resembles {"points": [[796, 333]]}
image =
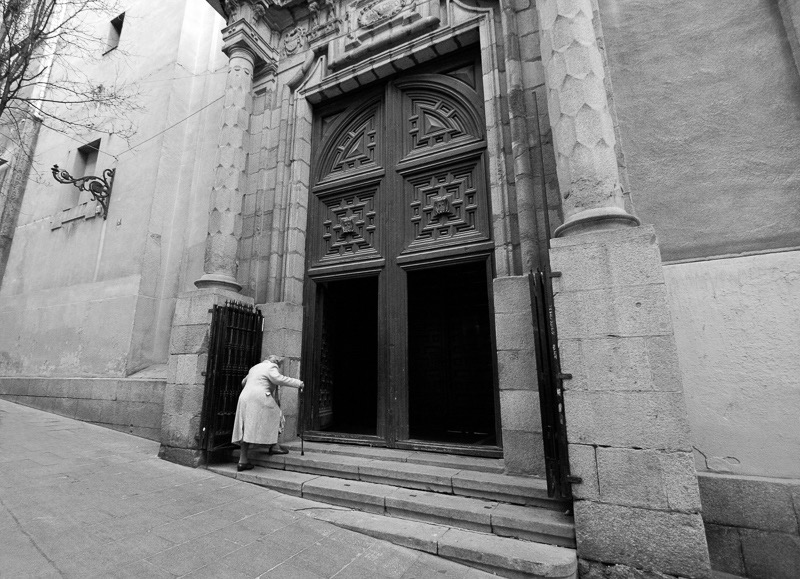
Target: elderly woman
{"points": [[258, 413]]}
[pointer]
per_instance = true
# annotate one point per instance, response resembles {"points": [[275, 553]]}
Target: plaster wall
{"points": [[96, 297], [708, 100], [737, 328]]}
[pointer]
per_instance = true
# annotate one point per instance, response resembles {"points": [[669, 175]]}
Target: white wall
{"points": [[737, 326]]}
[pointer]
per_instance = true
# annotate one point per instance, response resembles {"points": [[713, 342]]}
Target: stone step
{"points": [[524, 522], [503, 556], [450, 480], [496, 465]]}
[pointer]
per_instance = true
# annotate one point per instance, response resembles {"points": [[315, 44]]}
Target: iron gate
{"points": [[235, 347], [551, 390]]}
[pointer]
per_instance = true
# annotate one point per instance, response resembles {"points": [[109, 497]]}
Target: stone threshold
{"points": [[465, 530]]}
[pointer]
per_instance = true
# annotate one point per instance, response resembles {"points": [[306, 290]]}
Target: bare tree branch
{"points": [[46, 49]]}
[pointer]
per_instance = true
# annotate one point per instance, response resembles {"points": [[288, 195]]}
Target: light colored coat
{"points": [[258, 415]]}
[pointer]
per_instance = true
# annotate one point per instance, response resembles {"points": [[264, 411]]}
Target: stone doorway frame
{"points": [[469, 26]]}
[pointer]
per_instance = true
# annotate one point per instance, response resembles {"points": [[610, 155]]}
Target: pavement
{"points": [[79, 500]]}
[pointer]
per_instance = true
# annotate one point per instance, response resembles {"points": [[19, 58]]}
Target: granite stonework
{"points": [[129, 405], [638, 504], [752, 524], [183, 395], [520, 411]]}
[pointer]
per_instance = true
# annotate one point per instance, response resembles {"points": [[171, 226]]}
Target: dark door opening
{"points": [[348, 394], [451, 388]]}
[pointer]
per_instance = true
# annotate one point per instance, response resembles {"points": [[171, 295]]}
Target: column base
{"points": [[603, 218], [210, 280]]}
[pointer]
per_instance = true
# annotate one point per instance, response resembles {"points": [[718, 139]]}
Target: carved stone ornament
{"points": [[441, 206], [294, 40], [348, 225], [380, 11], [323, 31]]}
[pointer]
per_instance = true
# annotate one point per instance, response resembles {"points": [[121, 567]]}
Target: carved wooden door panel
{"points": [[399, 208]]}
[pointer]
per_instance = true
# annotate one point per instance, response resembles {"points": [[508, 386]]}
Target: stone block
{"points": [[648, 478], [190, 339], [523, 452], [519, 410], [615, 363], [516, 370], [183, 399], [654, 420], [347, 493], [673, 543], [770, 555], [506, 557], [183, 456], [750, 502], [512, 294], [583, 463], [541, 525], [725, 549], [618, 258], [514, 331], [618, 311], [189, 368], [437, 508]]}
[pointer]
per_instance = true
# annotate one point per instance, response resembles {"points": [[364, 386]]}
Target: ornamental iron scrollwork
{"points": [[99, 187]]}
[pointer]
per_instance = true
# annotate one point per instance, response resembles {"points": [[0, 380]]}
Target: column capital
{"points": [[243, 35]]}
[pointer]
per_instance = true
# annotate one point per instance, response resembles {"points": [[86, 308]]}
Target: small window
{"points": [[3, 170], [85, 164], [115, 32], [86, 160]]}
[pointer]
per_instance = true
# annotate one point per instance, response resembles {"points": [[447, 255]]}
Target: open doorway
{"points": [[348, 394], [451, 387]]}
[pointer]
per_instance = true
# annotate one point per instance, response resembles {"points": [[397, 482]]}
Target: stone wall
{"points": [[129, 405], [638, 503], [706, 95], [752, 525], [737, 328], [87, 297]]}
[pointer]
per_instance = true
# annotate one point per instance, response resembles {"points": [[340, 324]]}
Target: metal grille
{"points": [[235, 347], [551, 389]]}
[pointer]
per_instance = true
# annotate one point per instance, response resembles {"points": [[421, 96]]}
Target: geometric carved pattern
{"points": [[349, 226], [435, 120], [444, 205], [355, 148]]}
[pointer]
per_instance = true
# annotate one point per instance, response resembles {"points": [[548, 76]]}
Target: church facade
{"points": [[385, 179]]}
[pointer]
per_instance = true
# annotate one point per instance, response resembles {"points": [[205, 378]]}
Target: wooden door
{"points": [[398, 346]]}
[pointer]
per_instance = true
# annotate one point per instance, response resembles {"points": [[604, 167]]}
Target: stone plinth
{"points": [[188, 355], [638, 505], [523, 449], [283, 324]]}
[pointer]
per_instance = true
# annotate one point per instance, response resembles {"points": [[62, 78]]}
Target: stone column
{"points": [[191, 324], [583, 129], [637, 509], [225, 205]]}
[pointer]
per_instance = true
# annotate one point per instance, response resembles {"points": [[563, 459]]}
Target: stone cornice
{"points": [[242, 34]]}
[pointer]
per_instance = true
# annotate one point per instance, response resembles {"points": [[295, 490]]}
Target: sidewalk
{"points": [[78, 500]]}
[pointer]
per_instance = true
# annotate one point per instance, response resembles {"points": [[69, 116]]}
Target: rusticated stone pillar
{"points": [[583, 129], [637, 505], [225, 206]]}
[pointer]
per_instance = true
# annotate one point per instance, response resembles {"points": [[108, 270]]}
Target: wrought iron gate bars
{"points": [[551, 388], [234, 347]]}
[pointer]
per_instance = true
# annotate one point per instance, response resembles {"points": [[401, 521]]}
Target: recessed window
{"points": [[86, 159], [115, 32], [85, 164]]}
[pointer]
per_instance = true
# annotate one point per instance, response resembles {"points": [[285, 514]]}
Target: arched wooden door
{"points": [[398, 346]]}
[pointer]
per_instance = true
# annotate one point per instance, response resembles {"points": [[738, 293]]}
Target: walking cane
{"points": [[302, 422]]}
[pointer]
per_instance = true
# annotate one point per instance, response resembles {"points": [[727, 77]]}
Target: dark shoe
{"points": [[245, 466], [278, 449]]}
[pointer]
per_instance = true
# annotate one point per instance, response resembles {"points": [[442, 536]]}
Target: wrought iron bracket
{"points": [[99, 187]]}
